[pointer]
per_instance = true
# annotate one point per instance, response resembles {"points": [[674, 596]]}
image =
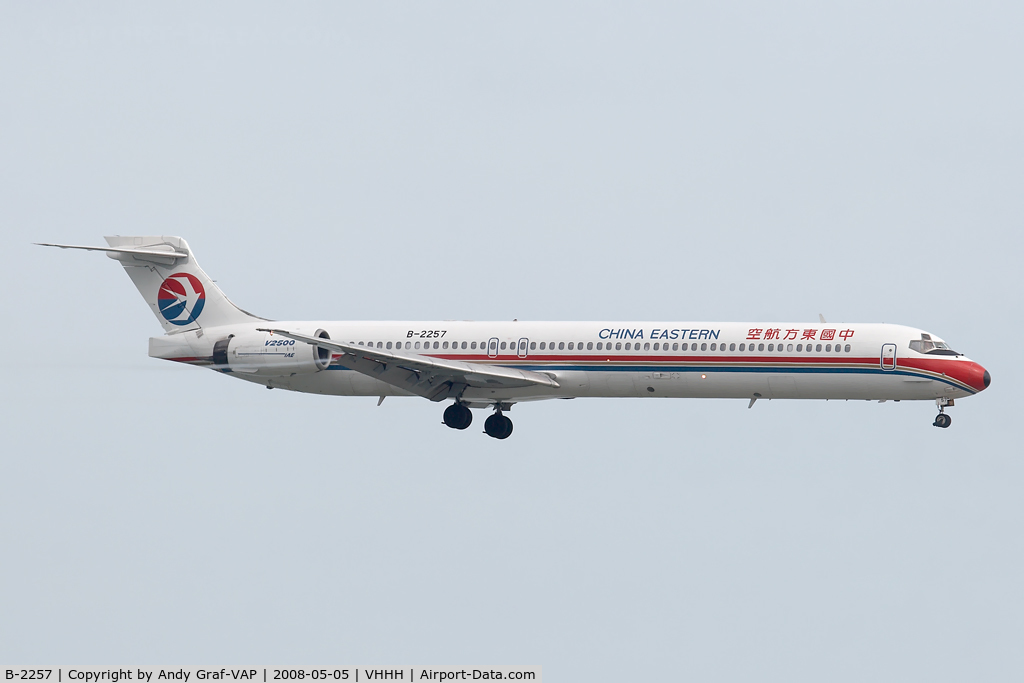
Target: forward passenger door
{"points": [[888, 356]]}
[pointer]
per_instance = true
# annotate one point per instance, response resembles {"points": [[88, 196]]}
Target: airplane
{"points": [[494, 365]]}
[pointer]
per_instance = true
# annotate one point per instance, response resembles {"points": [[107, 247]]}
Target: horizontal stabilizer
{"points": [[167, 252]]}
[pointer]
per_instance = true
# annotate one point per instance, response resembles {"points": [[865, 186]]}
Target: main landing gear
{"points": [[497, 425], [943, 420], [458, 416]]}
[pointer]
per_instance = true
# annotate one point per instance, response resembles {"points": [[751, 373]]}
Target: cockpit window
{"points": [[936, 348]]}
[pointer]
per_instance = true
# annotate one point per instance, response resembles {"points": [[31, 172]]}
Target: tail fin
{"points": [[180, 294]]}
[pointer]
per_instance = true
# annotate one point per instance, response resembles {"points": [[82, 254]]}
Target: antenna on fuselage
{"points": [[822, 319]]}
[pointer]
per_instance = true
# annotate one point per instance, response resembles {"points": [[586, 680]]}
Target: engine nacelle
{"points": [[267, 355]]}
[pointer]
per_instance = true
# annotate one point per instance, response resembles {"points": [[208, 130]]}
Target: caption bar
{"points": [[267, 674]]}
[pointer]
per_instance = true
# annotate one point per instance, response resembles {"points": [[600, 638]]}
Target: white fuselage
{"points": [[612, 359]]}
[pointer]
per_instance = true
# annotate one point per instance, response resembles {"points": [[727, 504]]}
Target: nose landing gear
{"points": [[497, 425], [943, 420]]}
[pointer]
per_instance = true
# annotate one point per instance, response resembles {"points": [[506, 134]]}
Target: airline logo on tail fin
{"points": [[181, 298]]}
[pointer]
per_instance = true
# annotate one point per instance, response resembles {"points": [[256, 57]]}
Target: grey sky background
{"points": [[714, 161]]}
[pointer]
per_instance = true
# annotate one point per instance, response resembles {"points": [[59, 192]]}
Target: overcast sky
{"points": [[713, 161]]}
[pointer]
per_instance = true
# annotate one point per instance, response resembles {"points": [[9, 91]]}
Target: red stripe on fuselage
{"points": [[966, 372]]}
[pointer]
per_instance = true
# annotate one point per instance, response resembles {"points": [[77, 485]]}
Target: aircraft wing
{"points": [[433, 378]]}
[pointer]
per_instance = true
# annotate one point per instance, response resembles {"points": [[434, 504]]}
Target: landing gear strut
{"points": [[942, 420], [497, 425], [458, 416]]}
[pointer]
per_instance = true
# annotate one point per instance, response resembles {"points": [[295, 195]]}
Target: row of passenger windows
{"points": [[619, 346]]}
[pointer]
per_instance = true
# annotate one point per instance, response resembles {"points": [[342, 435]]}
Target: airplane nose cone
{"points": [[986, 379]]}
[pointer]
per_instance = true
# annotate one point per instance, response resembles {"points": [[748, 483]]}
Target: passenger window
{"points": [[472, 345], [847, 349], [760, 347], [743, 347], [463, 345], [618, 346], [590, 346], [712, 347], [543, 345], [503, 346], [771, 347], [839, 348], [647, 346], [561, 346], [675, 346], [789, 347], [600, 345], [417, 345], [570, 346], [533, 346], [732, 347], [799, 348], [656, 346], [407, 344], [628, 345], [444, 346], [818, 347], [703, 347], [686, 347], [389, 345], [828, 348]]}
